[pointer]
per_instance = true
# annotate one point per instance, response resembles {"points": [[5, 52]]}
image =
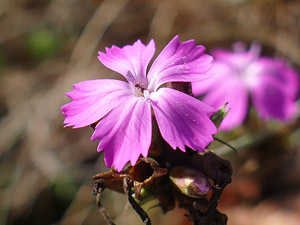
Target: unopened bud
{"points": [[190, 182], [218, 116]]}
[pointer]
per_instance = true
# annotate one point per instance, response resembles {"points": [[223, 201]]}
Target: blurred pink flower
{"points": [[271, 83], [124, 108]]}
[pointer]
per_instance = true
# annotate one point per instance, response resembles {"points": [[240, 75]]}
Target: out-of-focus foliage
{"points": [[46, 170], [42, 43]]}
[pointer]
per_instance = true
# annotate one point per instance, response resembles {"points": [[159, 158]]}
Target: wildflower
{"points": [[270, 82], [124, 108]]}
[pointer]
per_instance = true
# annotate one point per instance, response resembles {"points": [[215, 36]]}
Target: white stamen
{"points": [[146, 94]]}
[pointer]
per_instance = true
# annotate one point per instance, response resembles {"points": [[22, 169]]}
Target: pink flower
{"points": [[124, 108], [272, 85]]}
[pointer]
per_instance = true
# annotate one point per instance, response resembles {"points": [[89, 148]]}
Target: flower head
{"points": [[271, 83], [124, 108]]}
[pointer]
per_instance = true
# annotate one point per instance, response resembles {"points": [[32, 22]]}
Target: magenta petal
{"points": [[273, 100], [223, 87], [125, 132], [275, 92], [235, 93], [220, 73], [133, 58], [182, 119], [182, 62], [92, 100], [239, 59], [278, 71]]}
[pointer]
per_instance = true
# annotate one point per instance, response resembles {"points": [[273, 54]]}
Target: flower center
{"points": [[140, 90], [250, 76], [139, 86]]}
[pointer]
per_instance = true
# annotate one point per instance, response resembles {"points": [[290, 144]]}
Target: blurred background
{"points": [[47, 45]]}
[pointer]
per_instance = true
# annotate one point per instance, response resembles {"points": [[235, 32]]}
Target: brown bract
{"points": [[142, 174], [154, 174]]}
